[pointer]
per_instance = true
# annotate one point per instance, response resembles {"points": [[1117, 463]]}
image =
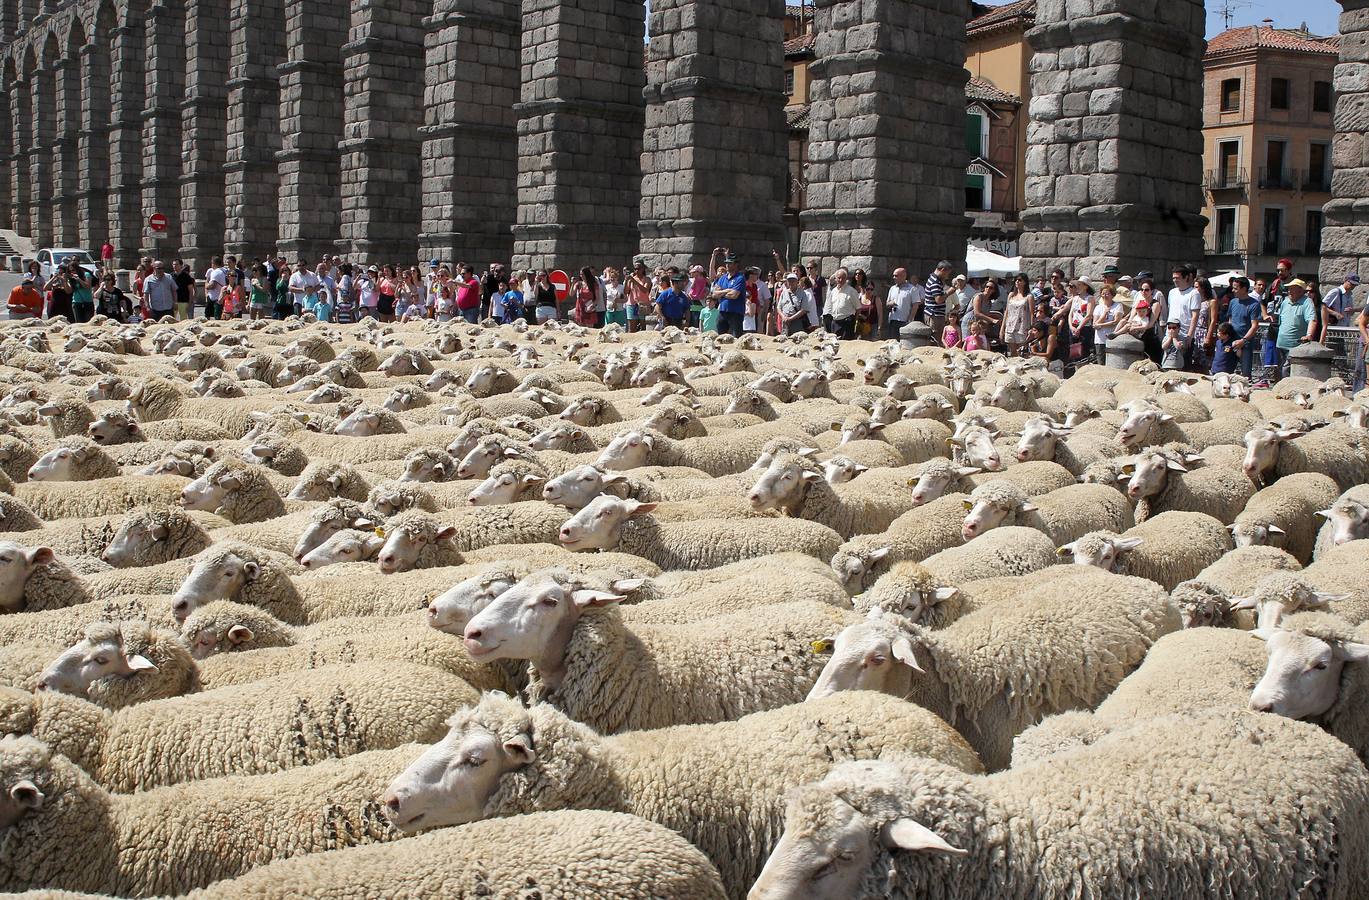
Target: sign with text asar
{"points": [[560, 281]]}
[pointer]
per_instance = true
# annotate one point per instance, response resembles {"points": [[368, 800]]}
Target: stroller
{"points": [[345, 308]]}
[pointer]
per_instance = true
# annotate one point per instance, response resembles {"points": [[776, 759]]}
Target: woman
{"points": [[638, 297], [1081, 318], [1043, 344], [388, 288], [345, 306], [588, 298], [980, 309], [614, 292], [546, 310], [232, 300], [260, 297], [1059, 313], [1106, 314], [1017, 315], [82, 297], [1362, 368], [1200, 356], [1142, 322], [59, 295], [111, 302], [283, 306]]}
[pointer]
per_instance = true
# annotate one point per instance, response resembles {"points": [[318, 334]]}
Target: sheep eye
{"points": [[101, 660], [1319, 666], [549, 602]]}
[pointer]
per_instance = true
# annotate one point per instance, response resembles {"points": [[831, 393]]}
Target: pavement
{"points": [[8, 282]]}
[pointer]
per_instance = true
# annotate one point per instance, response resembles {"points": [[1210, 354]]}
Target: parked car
{"points": [[50, 257]]}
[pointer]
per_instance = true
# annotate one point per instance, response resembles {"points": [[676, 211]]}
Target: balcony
{"points": [[1224, 245], [1229, 179], [1279, 179], [1284, 244], [1317, 182]]}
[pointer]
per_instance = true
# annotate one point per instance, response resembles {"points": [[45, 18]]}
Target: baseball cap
{"points": [[1145, 275], [373, 269], [678, 279], [1353, 278], [29, 277], [432, 264], [791, 277], [730, 258], [1297, 282]]}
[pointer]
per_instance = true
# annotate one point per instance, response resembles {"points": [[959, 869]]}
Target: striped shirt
{"points": [[934, 296]]}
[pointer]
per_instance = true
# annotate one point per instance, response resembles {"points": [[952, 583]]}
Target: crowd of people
{"points": [[1245, 326]]}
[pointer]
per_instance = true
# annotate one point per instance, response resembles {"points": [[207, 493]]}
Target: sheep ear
{"points": [[808, 452], [531, 479], [637, 508], [1322, 598], [1236, 603], [263, 452], [519, 748], [1026, 507], [909, 835], [139, 663], [230, 482], [1274, 529], [1353, 652], [877, 555], [942, 594], [1324, 513], [585, 598], [1065, 549], [446, 532], [810, 477], [1175, 465], [627, 585], [40, 556], [159, 532], [363, 523], [860, 468], [903, 652], [251, 570], [1126, 545], [240, 634]]}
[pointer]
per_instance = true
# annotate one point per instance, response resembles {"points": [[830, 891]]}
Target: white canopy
{"points": [[1224, 280], [982, 264]]}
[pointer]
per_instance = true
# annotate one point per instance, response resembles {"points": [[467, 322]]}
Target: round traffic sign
{"points": [[561, 282], [158, 222]]}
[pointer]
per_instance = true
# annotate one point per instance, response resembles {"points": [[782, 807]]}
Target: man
{"points": [[1185, 305], [327, 285], [231, 264], [1244, 312], [24, 300], [1339, 302], [1111, 275], [185, 286], [299, 281], [1297, 322], [159, 291], [489, 284], [934, 298], [730, 291], [1041, 290], [106, 255], [793, 304], [842, 302], [1285, 274], [215, 280], [672, 302], [898, 304]]}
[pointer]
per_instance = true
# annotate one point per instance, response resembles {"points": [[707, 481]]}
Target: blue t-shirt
{"points": [[737, 283], [672, 303], [1242, 313], [1224, 357]]}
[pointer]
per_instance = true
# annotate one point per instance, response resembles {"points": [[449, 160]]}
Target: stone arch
{"points": [[7, 157], [43, 113], [9, 19], [165, 50], [20, 127], [24, 13], [204, 122], [66, 75]]}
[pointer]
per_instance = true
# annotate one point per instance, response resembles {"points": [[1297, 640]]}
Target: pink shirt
{"points": [[698, 289], [468, 294], [976, 342]]}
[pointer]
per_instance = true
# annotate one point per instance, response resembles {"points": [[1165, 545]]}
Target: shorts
{"points": [[386, 305], [632, 312], [615, 317], [545, 314]]}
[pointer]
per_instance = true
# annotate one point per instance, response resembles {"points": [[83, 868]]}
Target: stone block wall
{"points": [[40, 155], [1114, 159], [715, 152], [251, 173], [165, 50], [579, 133], [1345, 237], [204, 129], [66, 179], [886, 151], [127, 87], [470, 144], [93, 200]]}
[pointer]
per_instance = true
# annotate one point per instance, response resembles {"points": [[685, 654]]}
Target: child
{"points": [[1171, 348], [232, 298], [950, 335], [977, 339], [513, 305], [323, 306], [672, 304], [708, 318], [1225, 358], [310, 297]]}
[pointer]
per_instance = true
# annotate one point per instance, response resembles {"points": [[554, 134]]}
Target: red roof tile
{"points": [[800, 44], [1024, 10], [985, 90], [1253, 37]]}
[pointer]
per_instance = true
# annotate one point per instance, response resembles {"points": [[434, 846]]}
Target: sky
{"points": [[1320, 15]]}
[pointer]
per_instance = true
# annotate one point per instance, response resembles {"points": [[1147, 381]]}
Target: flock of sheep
{"points": [[417, 610]]}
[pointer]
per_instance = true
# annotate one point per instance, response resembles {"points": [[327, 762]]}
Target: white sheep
{"points": [[1166, 549], [1284, 514], [915, 535], [795, 485], [1161, 480], [1342, 453], [234, 490], [1063, 514], [1347, 519]]}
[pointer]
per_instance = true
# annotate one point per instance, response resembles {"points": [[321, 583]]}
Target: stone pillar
{"points": [[253, 180], [9, 19], [21, 124], [66, 178], [204, 128], [380, 149], [715, 153], [92, 203], [6, 156], [1345, 232], [1311, 360], [127, 89], [470, 149], [1115, 140], [579, 133], [43, 117], [886, 148], [311, 103], [165, 90]]}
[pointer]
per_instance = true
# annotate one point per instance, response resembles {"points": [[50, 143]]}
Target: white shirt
{"points": [[497, 304], [214, 282], [899, 304], [1102, 313], [366, 291], [1182, 306], [299, 281], [842, 302]]}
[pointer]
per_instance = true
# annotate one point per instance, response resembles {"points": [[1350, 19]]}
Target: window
{"points": [[1231, 94], [1226, 230], [978, 180], [1313, 232], [974, 192], [1321, 96], [1318, 168], [1273, 230], [1278, 93], [789, 82], [976, 133], [1274, 155], [1228, 164]]}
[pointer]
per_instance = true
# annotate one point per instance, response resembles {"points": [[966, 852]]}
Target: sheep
{"points": [[973, 446], [74, 459], [33, 579], [1201, 605], [1148, 422], [67, 416], [1068, 640], [722, 454], [1166, 549], [1282, 594], [1161, 480], [510, 481], [636, 774], [618, 677], [234, 490], [1284, 514], [276, 453], [418, 539], [939, 476], [489, 380], [1063, 514], [157, 398], [102, 497], [1344, 570], [998, 553], [895, 828], [915, 535], [16, 456], [1042, 439], [119, 664], [266, 726], [609, 523], [561, 854], [16, 516], [795, 486], [348, 545], [1347, 519], [326, 480], [1237, 571], [1341, 453]]}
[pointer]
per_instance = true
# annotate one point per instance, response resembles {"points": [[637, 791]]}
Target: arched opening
{"points": [[66, 178], [40, 148], [209, 47], [165, 92]]}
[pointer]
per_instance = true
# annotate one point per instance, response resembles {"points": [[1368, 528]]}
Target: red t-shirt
{"points": [[26, 298], [467, 294]]}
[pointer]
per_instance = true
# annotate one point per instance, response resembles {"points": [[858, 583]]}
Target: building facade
{"points": [[1267, 135]]}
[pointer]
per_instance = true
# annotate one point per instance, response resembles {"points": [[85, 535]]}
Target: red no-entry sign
{"points": [[561, 282], [158, 222]]}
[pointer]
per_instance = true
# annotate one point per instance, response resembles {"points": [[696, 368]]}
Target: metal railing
{"points": [[1318, 182], [1279, 179], [1226, 179]]}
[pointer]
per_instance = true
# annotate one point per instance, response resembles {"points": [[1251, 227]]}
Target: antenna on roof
{"points": [[1227, 9]]}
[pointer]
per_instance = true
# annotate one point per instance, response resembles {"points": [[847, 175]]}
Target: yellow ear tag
{"points": [[822, 646], [380, 532]]}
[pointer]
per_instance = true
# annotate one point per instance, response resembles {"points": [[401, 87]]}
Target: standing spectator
{"points": [[842, 303], [586, 292], [545, 299], [368, 298], [792, 305], [300, 282], [1362, 365], [1059, 314], [159, 292], [1043, 341], [233, 297], [1284, 274], [1185, 307], [818, 285], [934, 297], [1243, 312], [698, 290], [708, 319], [1297, 322], [1017, 315], [442, 296], [215, 280], [82, 294], [614, 297], [327, 284], [489, 286], [980, 308], [345, 303], [964, 295], [898, 304], [468, 295], [106, 255], [59, 294], [280, 292], [185, 287], [25, 302], [110, 301], [1081, 318], [1172, 349], [729, 289], [1107, 313], [1225, 356], [388, 290], [1339, 302], [1205, 338], [1041, 290], [672, 302], [260, 297], [638, 290]]}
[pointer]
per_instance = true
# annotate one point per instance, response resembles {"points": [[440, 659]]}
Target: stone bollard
{"points": [[123, 280], [15, 264], [914, 335], [1311, 360], [1123, 350]]}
